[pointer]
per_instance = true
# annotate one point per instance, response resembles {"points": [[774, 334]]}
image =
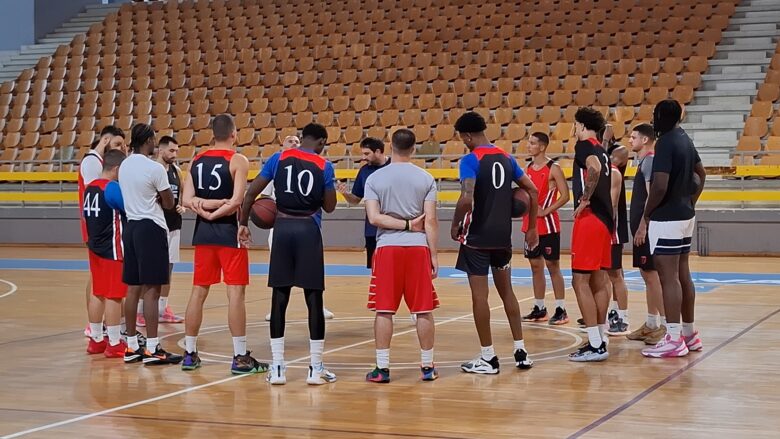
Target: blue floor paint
{"points": [[705, 282]]}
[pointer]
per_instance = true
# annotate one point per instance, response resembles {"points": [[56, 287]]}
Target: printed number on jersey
{"points": [[91, 205], [304, 178], [214, 173], [499, 175]]}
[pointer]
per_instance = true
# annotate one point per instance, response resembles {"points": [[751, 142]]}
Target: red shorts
{"points": [[213, 262], [106, 277], [402, 272], [591, 244]]}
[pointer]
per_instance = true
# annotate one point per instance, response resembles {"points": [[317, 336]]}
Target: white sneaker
{"points": [[268, 317], [481, 366], [326, 312], [276, 374], [319, 376]]}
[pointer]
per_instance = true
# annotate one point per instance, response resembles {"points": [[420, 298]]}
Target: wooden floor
{"points": [[49, 387]]}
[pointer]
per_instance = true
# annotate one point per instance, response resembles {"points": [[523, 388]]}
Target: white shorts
{"points": [[174, 242], [671, 237]]}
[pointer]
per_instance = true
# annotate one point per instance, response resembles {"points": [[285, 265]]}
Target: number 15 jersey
{"points": [[210, 173], [300, 179]]}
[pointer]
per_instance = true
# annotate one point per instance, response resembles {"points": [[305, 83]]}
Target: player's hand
{"points": [[455, 232], [583, 205], [244, 236], [641, 234], [342, 188], [544, 212], [532, 239], [180, 209], [434, 267], [417, 224], [197, 204]]}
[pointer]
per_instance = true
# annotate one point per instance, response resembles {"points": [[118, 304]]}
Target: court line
{"points": [[13, 286], [628, 404], [218, 382]]}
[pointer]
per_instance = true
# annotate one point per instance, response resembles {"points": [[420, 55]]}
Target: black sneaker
{"points": [[537, 315], [617, 327], [581, 322], [160, 356], [141, 338], [244, 364], [136, 356], [588, 353], [481, 366], [521, 359], [560, 317], [612, 315]]}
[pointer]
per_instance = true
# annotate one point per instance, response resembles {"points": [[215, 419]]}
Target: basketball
{"points": [[263, 213], [520, 202]]}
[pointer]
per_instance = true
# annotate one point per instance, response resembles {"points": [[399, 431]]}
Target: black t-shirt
{"points": [[601, 200], [622, 213], [210, 173], [644, 173], [172, 218], [676, 156]]}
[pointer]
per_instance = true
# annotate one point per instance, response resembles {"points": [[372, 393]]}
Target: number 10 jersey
{"points": [[210, 173], [300, 178]]}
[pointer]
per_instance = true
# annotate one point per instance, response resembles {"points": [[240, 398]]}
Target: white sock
{"points": [[96, 331], [687, 329], [488, 352], [613, 306], [560, 304], [594, 336], [152, 343], [383, 358], [122, 325], [603, 331], [539, 303], [140, 309], [191, 343], [277, 350], [162, 304], [114, 334], [652, 321], [315, 349], [132, 343], [519, 345], [426, 357], [663, 321], [673, 329], [239, 345]]}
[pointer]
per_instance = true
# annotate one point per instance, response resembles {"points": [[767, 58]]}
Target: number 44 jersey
{"points": [[211, 177], [300, 178]]}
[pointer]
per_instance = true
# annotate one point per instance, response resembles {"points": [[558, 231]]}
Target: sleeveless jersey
{"points": [[620, 234], [210, 173], [299, 182], [172, 218], [547, 196], [601, 200], [82, 185], [489, 224], [104, 224]]}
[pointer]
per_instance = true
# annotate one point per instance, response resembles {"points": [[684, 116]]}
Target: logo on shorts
{"points": [[643, 259], [548, 250]]}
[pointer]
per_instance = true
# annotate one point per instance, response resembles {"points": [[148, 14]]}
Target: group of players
{"points": [[131, 230]]}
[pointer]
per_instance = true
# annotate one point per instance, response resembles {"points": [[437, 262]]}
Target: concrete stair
{"points": [[28, 56]]}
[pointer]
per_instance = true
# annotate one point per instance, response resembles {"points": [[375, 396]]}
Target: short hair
{"points": [[403, 140], [591, 118], [373, 144], [666, 115], [112, 159], [645, 129], [223, 126], [112, 130], [470, 122], [544, 139], [165, 140], [314, 131], [139, 135]]}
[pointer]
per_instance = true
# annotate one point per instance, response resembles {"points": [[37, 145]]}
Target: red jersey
{"points": [[551, 223]]}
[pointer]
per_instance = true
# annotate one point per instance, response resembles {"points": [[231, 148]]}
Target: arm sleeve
{"points": [[431, 195], [370, 193], [330, 176], [469, 167], [90, 169], [161, 179], [662, 160], [113, 196], [269, 169], [647, 168], [359, 187], [517, 171]]}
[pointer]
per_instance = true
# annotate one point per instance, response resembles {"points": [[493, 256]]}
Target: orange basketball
{"points": [[520, 202], [263, 213]]}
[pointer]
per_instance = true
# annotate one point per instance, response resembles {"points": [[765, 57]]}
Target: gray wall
{"points": [[17, 26], [49, 14], [727, 231]]}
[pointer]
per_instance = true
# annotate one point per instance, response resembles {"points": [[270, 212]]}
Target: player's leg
{"points": [[552, 261], [95, 311], [539, 311], [618, 325], [384, 296], [280, 298], [425, 334], [689, 332], [88, 291], [270, 246], [193, 318], [421, 299], [599, 282], [654, 327], [476, 263], [174, 245], [131, 277], [113, 313], [383, 334], [317, 373], [502, 278]]}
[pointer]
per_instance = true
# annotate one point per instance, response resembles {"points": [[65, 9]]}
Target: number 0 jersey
{"points": [[211, 178], [101, 210], [489, 224]]}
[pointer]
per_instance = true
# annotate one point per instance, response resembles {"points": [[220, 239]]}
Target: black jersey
{"points": [[601, 200], [172, 217], [104, 222], [210, 173], [489, 224], [300, 179]]}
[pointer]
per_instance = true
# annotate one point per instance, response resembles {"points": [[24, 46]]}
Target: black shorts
{"points": [[370, 249], [617, 257], [477, 262], [297, 255], [643, 259], [146, 253], [549, 248]]}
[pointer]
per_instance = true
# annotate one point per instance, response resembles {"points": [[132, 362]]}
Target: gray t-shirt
{"points": [[402, 190]]}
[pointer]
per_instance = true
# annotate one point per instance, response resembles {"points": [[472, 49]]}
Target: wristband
{"points": [[406, 227]]}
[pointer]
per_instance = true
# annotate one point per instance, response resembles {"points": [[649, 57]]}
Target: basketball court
{"points": [[727, 390]]}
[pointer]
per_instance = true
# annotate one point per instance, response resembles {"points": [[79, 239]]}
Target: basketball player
{"points": [[671, 217], [102, 212], [373, 151], [549, 180], [406, 260], [214, 192], [304, 186], [483, 225], [643, 143], [146, 193], [287, 143], [592, 234], [617, 318]]}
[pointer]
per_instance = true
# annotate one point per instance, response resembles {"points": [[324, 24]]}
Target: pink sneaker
{"points": [[694, 342], [169, 317], [140, 321], [667, 348]]}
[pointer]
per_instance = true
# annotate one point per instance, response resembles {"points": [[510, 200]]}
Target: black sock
{"points": [[316, 316], [280, 297]]}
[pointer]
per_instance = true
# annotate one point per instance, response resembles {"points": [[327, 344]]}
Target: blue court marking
{"points": [[705, 281]]}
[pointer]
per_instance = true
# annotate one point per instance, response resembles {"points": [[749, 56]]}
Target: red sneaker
{"points": [[95, 347], [140, 321], [116, 351]]}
